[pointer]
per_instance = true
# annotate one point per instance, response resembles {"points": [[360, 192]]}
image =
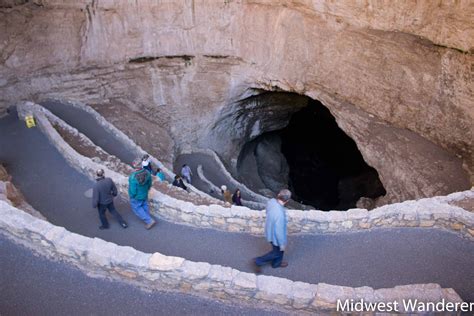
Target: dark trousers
{"points": [[111, 207], [275, 257]]}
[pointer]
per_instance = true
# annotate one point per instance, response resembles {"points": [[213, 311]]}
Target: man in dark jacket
{"points": [[178, 182], [103, 195], [139, 183]]}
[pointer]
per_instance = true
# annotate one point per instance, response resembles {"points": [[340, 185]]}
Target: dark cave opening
{"points": [[311, 155], [326, 169]]}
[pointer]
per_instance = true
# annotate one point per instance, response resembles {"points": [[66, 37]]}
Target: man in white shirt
{"points": [[186, 173]]}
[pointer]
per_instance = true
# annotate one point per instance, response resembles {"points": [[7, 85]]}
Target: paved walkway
{"points": [[99, 135], [379, 258], [32, 285], [193, 163], [86, 124]]}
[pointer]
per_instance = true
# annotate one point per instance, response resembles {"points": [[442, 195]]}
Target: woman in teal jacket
{"points": [[139, 183]]}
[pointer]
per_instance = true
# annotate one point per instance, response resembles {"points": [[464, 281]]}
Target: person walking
{"points": [[178, 182], [226, 194], [160, 175], [103, 194], [275, 232], [146, 163], [186, 173], [237, 198], [139, 183]]}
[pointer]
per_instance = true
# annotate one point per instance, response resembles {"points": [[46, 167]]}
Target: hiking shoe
{"points": [[124, 225], [152, 223], [103, 227], [283, 264]]}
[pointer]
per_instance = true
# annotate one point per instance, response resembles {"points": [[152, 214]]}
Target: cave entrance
{"points": [[326, 169], [319, 163]]}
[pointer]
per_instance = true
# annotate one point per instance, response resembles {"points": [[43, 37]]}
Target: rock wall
{"points": [[404, 66]]}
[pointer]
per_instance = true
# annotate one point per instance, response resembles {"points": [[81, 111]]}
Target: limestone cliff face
{"points": [[398, 76]]}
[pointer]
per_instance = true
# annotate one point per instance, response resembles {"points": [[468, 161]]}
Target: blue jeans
{"points": [[275, 257], [140, 208]]}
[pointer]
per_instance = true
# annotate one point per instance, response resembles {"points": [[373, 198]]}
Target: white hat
{"points": [[223, 188], [100, 172]]}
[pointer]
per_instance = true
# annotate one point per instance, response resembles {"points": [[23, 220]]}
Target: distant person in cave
{"points": [[275, 232], [186, 173], [146, 163], [139, 183], [103, 194], [178, 182], [227, 195], [160, 175], [237, 198]]}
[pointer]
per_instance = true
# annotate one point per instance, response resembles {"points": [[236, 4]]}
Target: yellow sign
{"points": [[30, 121]]}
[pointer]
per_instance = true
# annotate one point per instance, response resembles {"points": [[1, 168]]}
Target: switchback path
{"points": [[86, 124], [82, 121], [377, 258], [210, 171]]}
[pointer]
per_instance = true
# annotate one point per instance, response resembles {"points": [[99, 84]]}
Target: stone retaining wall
{"points": [[156, 271], [258, 199], [230, 179], [213, 187], [429, 212], [425, 213]]}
